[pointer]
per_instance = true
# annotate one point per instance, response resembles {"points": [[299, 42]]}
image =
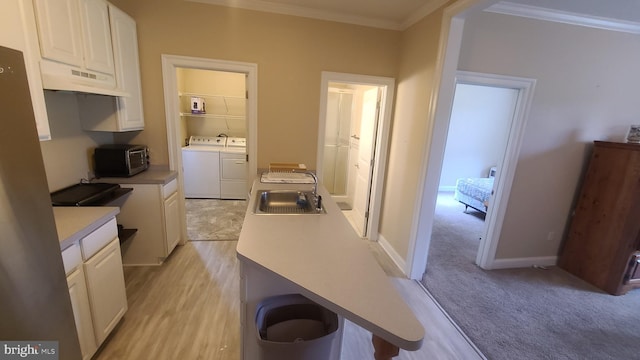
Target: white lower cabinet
{"points": [[82, 312], [96, 285], [105, 283], [172, 221], [153, 210]]}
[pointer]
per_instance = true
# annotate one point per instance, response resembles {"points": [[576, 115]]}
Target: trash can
{"points": [[292, 327]]}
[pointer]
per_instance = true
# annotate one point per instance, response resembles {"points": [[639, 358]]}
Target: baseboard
{"points": [[447, 188], [395, 257], [524, 262]]}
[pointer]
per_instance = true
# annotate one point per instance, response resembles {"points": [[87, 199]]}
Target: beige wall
{"points": [[225, 103], [410, 130], [586, 90], [291, 52], [68, 157]]}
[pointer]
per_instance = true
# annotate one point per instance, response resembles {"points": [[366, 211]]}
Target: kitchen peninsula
{"points": [[320, 257]]}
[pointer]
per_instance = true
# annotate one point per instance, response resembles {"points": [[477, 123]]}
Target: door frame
{"points": [[506, 170], [170, 63], [441, 101], [387, 89]]}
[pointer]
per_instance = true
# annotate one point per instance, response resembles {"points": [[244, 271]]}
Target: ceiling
{"points": [[400, 14]]}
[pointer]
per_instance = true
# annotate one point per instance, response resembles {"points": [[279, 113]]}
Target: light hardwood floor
{"points": [[188, 308]]}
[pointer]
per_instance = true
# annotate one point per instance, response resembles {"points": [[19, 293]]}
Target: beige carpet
{"points": [[214, 219], [524, 313]]}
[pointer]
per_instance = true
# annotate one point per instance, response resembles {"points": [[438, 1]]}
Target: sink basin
{"points": [[286, 202]]}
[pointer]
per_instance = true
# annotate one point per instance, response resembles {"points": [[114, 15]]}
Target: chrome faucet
{"points": [[318, 198], [315, 181]]}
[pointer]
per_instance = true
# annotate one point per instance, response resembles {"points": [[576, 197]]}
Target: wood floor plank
{"points": [[188, 308]]}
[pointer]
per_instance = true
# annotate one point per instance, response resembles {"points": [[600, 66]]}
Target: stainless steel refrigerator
{"points": [[34, 297]]}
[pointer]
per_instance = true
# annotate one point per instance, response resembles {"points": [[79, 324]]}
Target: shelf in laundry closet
{"points": [[213, 116], [188, 94]]}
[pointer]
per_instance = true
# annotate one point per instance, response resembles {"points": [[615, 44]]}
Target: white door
{"points": [[82, 313], [126, 60], [96, 31], [172, 222], [59, 30], [105, 285], [365, 156]]}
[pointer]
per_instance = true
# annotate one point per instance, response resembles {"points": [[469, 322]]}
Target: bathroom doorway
{"points": [[353, 134]]}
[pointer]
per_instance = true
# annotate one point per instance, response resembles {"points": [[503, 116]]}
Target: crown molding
{"points": [[565, 17], [294, 10], [425, 10]]}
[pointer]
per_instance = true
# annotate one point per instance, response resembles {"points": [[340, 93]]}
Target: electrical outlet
{"points": [[551, 236]]}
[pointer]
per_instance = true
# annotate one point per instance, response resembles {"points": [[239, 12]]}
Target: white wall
{"points": [[586, 90], [478, 132]]}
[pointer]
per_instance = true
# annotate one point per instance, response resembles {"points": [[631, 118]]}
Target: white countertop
{"points": [[331, 265], [75, 222]]}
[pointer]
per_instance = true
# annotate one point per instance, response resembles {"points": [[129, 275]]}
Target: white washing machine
{"points": [[201, 166]]}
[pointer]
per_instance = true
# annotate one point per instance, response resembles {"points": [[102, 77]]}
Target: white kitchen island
{"points": [[320, 257]]}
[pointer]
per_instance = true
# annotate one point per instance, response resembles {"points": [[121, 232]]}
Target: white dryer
{"points": [[233, 169], [201, 166]]}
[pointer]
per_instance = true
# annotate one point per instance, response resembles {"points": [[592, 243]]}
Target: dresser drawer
{"points": [[98, 239]]}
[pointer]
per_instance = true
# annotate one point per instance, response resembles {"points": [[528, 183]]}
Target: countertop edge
{"points": [[151, 176], [74, 223]]}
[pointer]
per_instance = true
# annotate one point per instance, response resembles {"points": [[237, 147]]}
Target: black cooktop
{"points": [[92, 194]]}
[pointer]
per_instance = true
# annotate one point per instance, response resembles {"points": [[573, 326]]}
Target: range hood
{"points": [[63, 77]]}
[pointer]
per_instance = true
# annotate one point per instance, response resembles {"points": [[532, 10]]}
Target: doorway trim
{"points": [[450, 43], [506, 170], [170, 63], [387, 88]]}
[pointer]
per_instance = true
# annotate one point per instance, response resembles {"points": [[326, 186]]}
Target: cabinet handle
{"points": [[239, 162]]}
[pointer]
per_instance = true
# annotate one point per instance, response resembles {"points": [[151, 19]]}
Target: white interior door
{"points": [[365, 156]]}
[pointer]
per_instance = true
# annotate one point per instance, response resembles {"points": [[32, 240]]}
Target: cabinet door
{"points": [[105, 283], [127, 65], [82, 313], [59, 30], [172, 221], [98, 53]]}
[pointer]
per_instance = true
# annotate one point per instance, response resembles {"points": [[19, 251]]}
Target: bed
{"points": [[475, 192]]}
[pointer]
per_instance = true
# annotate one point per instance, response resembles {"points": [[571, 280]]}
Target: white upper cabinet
{"points": [[59, 30], [76, 47], [98, 54], [125, 48], [76, 32], [123, 113]]}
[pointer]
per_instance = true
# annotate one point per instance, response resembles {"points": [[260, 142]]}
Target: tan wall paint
{"points": [[410, 130], [291, 52], [68, 157], [585, 91]]}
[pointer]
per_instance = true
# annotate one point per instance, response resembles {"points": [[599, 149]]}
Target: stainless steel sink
{"points": [[287, 202]]}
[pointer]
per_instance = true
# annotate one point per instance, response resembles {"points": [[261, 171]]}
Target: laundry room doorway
{"points": [[211, 118], [352, 144]]}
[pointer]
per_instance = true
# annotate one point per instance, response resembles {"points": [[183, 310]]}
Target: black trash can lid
{"points": [[278, 309]]}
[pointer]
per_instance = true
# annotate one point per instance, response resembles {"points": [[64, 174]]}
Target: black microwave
{"points": [[120, 160]]}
